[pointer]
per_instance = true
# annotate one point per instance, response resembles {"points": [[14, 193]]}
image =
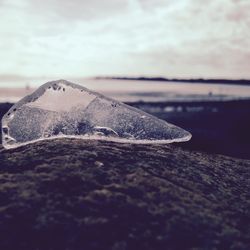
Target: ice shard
{"points": [[64, 109]]}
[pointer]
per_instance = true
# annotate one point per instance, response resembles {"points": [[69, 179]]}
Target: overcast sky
{"points": [[171, 38]]}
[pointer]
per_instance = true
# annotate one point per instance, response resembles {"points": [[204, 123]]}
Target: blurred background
{"points": [[184, 61]]}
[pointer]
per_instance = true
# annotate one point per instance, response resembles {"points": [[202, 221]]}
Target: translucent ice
{"points": [[64, 109]]}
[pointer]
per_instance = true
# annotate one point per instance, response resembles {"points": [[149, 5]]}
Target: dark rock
{"points": [[78, 194]]}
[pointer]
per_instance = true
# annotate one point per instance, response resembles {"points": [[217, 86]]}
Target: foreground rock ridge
{"points": [[77, 194]]}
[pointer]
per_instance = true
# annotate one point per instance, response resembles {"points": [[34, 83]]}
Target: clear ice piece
{"points": [[63, 109]]}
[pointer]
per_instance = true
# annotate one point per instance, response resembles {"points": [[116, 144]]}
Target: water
{"points": [[133, 91]]}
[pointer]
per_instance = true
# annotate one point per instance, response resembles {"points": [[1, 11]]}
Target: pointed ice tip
{"points": [[63, 109], [187, 136]]}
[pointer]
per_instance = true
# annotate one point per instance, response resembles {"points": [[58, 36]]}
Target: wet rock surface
{"points": [[77, 194]]}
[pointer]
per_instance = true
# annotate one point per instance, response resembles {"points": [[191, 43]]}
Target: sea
{"points": [[137, 91]]}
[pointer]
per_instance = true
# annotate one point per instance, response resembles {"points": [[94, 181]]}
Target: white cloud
{"points": [[182, 38]]}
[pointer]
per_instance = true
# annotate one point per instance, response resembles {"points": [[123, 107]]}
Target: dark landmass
{"points": [[4, 107], [78, 194], [196, 80]]}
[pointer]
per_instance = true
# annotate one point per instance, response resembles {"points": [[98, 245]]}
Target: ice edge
{"points": [[99, 138]]}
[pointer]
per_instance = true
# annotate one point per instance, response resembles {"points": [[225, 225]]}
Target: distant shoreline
{"points": [[162, 79]]}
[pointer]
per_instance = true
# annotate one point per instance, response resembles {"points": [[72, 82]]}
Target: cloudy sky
{"points": [[83, 38]]}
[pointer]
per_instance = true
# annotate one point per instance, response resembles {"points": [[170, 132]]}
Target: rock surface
{"points": [[76, 194]]}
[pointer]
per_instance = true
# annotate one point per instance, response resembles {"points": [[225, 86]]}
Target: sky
{"points": [[168, 38]]}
